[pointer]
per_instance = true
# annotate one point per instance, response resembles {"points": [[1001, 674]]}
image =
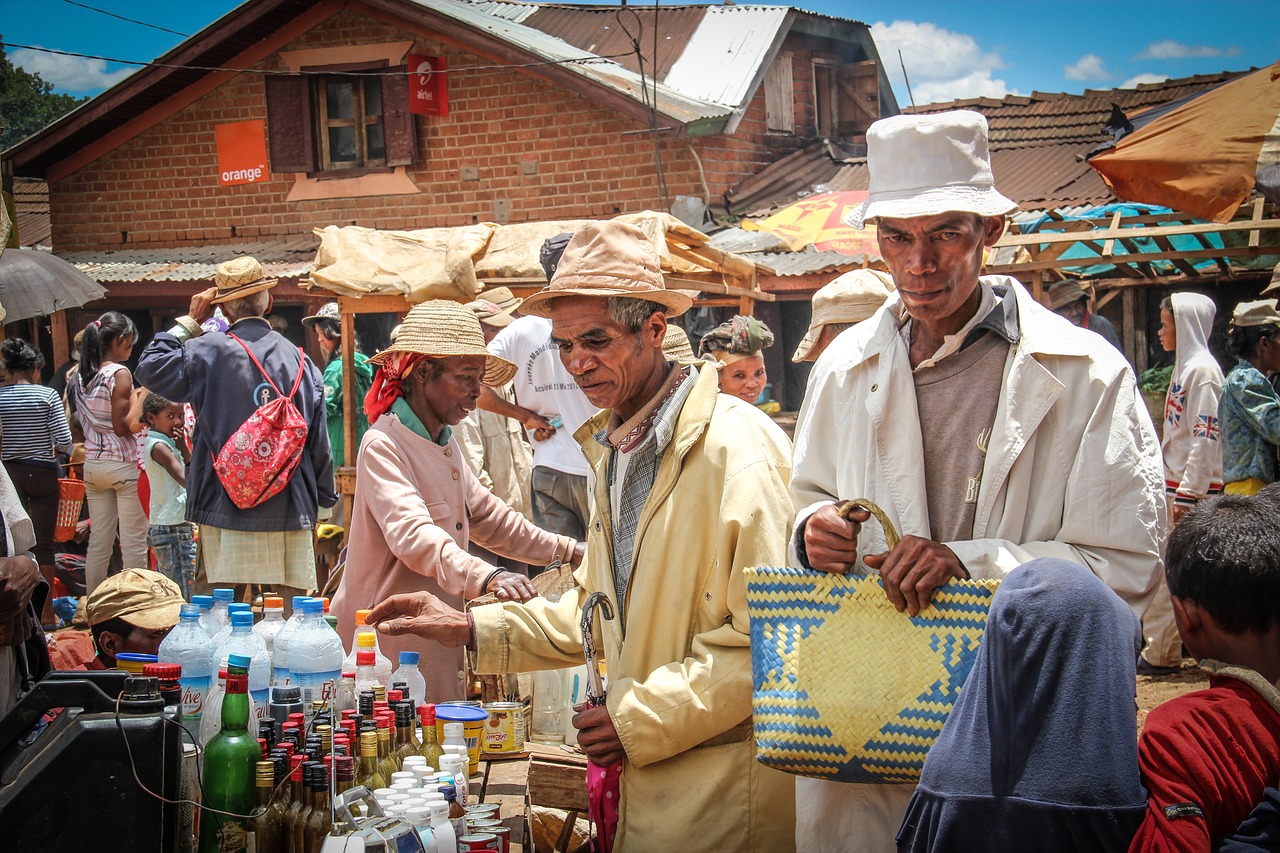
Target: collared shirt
{"points": [[401, 410], [997, 312]]}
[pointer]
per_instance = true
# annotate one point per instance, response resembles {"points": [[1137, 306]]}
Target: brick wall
{"points": [[161, 188]]}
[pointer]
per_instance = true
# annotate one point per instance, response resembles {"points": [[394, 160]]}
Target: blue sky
{"points": [[951, 50]]}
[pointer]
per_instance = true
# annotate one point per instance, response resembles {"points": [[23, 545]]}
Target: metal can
{"points": [[504, 731], [504, 837], [480, 811], [482, 841], [482, 825]]}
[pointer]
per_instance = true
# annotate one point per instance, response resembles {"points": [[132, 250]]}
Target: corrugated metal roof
{"points": [[281, 259], [728, 53], [769, 253], [613, 31]]}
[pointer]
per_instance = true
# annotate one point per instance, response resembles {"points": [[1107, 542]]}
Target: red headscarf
{"points": [[388, 382]]}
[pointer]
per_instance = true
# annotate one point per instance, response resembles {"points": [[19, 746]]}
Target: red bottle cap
{"points": [[262, 742], [349, 675], [300, 719], [288, 727], [394, 696], [365, 658], [427, 714], [295, 767], [287, 746], [163, 671], [348, 713]]}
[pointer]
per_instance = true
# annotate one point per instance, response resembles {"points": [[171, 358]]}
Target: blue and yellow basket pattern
{"points": [[846, 687]]}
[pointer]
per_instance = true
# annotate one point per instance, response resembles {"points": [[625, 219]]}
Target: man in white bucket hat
{"points": [[990, 430]]}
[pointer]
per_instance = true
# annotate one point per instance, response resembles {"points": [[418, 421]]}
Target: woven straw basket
{"points": [[847, 688]]}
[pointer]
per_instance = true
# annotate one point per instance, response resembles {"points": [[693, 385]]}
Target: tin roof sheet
{"points": [[280, 259], [771, 255]]}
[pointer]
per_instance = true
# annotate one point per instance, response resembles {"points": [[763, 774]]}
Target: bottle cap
{"points": [[366, 640], [239, 607], [394, 696], [325, 601], [362, 617], [418, 815], [240, 618], [368, 741], [241, 661], [163, 671], [427, 714], [204, 602], [227, 595], [273, 602], [410, 658], [222, 672], [286, 695], [313, 607], [348, 675], [189, 611], [297, 717], [366, 658], [296, 601]]}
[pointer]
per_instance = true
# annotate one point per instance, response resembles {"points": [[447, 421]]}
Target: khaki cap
{"points": [[1259, 313], [851, 298], [140, 597]]}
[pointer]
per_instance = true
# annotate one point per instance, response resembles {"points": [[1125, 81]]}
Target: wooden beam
{"points": [[1254, 236], [1059, 263], [1128, 323], [1040, 238], [58, 335], [1111, 244]]}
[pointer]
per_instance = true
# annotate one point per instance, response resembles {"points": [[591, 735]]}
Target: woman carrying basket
{"points": [[35, 428]]}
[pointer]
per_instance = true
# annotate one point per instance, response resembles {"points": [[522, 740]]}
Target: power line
{"points": [[123, 18]]}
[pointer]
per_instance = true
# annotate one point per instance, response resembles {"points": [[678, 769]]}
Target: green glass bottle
{"points": [[430, 742], [370, 774], [265, 826], [230, 762], [320, 819]]}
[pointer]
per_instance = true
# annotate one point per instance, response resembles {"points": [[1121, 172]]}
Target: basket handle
{"points": [[891, 536]]}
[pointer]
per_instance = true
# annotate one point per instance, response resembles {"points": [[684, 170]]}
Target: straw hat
{"points": [[676, 345], [924, 165], [609, 258], [850, 298], [1259, 313], [140, 597], [503, 298], [441, 328], [240, 277], [328, 311]]}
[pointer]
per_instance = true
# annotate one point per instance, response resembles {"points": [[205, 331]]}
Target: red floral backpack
{"points": [[258, 459]]}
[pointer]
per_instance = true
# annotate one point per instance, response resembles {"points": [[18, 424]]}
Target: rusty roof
{"points": [[282, 259]]}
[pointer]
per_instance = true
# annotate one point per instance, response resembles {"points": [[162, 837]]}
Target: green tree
{"points": [[27, 103]]}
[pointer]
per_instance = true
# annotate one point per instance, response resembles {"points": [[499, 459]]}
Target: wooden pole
{"points": [[58, 334], [349, 403]]}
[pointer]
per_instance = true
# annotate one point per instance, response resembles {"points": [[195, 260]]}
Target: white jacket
{"points": [[1073, 470]]}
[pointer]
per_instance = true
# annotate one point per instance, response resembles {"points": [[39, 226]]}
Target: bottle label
{"points": [[193, 693], [280, 676], [316, 685], [261, 704]]}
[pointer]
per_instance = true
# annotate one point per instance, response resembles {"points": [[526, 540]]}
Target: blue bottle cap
{"points": [[241, 618], [189, 611], [224, 595], [239, 607], [313, 606], [409, 658], [242, 661], [204, 602]]}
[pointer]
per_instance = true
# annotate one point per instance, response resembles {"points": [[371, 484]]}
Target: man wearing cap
{"points": [[839, 304], [132, 611], [1068, 299], [690, 488], [990, 430], [327, 324], [271, 543]]}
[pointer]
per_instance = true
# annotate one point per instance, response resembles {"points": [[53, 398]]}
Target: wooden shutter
{"points": [[290, 135], [858, 97], [402, 147], [779, 95]]}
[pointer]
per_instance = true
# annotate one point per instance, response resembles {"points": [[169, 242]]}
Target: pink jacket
{"points": [[417, 505]]}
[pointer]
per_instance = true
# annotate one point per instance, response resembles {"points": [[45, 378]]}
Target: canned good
{"points": [[504, 837], [484, 810], [481, 841], [482, 824], [504, 731]]}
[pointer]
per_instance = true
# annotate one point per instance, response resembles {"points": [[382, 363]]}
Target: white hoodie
{"points": [[1191, 446]]}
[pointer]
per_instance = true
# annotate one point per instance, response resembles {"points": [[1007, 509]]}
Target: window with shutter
{"points": [[846, 97], [290, 137], [779, 96]]}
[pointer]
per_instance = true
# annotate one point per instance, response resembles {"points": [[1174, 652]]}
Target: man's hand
{"points": [[597, 736], [509, 586], [423, 615], [538, 425], [831, 542], [914, 569], [201, 307], [1179, 510]]}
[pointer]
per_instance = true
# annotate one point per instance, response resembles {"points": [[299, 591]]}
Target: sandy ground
{"points": [[1156, 689]]}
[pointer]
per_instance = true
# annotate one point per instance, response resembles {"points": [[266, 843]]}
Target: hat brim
{"points": [[498, 321], [497, 371], [154, 618], [1272, 289], [316, 318], [673, 302], [245, 290], [807, 344], [907, 204]]}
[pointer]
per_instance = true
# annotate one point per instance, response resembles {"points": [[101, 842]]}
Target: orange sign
{"points": [[428, 85], [242, 153]]}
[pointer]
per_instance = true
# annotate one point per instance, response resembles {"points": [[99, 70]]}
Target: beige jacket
{"points": [[679, 689]]}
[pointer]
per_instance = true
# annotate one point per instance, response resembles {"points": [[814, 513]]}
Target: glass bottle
{"points": [[370, 774], [264, 830], [320, 818], [408, 741], [430, 737], [345, 774], [230, 762], [299, 828], [386, 763], [280, 802], [296, 790]]}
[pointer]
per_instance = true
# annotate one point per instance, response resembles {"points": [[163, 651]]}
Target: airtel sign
{"points": [[428, 85]]}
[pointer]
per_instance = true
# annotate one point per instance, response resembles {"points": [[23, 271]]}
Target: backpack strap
{"points": [[297, 383]]}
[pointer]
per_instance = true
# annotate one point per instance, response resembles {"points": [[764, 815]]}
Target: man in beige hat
{"points": [[690, 489], [226, 377], [1068, 299], [839, 304], [132, 611], [990, 430]]}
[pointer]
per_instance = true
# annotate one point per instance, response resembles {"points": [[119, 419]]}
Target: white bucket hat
{"points": [[924, 165]]}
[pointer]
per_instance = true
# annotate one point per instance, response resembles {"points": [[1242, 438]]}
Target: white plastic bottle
{"points": [[225, 631], [315, 655], [409, 673], [188, 646], [280, 648], [221, 599], [207, 622], [365, 676], [383, 667], [420, 817], [242, 641], [272, 620], [446, 838]]}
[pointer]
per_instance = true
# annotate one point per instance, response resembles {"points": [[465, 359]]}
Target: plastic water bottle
{"points": [[366, 678], [272, 620], [548, 707], [383, 667], [408, 673], [242, 641], [446, 838], [188, 646], [280, 648], [315, 655], [222, 598], [207, 622], [225, 631]]}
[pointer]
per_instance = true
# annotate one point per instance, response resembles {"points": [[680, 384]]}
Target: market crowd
{"points": [[1005, 440]]}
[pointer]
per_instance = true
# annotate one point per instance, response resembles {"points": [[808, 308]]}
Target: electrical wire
{"points": [[123, 18]]}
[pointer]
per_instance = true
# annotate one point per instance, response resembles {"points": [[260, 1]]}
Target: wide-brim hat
{"points": [[141, 597], [503, 298], [925, 165], [441, 328], [606, 259], [328, 311], [1261, 312], [676, 345], [240, 277], [490, 313], [1065, 293], [849, 298]]}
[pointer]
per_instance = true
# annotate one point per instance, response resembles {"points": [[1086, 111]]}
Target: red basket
{"points": [[70, 500]]}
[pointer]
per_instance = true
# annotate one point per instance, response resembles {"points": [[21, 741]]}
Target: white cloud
{"points": [[1132, 82], [1170, 49], [69, 73], [1088, 67], [942, 64]]}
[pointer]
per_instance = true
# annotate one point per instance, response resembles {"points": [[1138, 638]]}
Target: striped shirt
{"points": [[93, 408], [34, 423]]}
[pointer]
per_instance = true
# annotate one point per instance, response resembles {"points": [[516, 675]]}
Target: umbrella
{"points": [[36, 284], [1204, 155], [818, 220]]}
